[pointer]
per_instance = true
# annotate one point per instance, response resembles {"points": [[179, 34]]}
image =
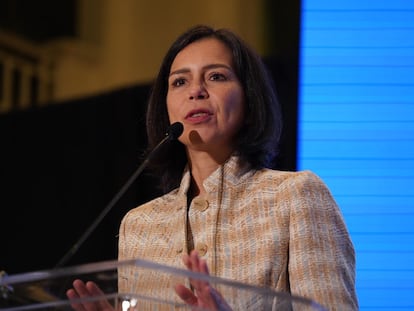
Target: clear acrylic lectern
{"points": [[46, 290]]}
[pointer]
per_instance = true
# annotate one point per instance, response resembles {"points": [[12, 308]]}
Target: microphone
{"points": [[173, 132]]}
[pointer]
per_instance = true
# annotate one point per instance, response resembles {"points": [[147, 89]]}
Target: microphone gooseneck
{"points": [[173, 132]]}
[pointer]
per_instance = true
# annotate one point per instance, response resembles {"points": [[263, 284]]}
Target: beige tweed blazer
{"points": [[277, 229]]}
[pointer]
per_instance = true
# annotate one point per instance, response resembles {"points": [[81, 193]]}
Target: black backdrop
{"points": [[60, 165]]}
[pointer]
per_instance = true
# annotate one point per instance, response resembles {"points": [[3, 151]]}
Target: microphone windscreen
{"points": [[175, 130]]}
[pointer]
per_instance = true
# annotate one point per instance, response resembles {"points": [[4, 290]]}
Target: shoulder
{"points": [[289, 179], [296, 190], [157, 206]]}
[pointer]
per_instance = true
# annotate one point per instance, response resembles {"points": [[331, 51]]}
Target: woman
{"points": [[225, 211]]}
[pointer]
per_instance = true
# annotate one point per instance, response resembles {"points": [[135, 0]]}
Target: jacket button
{"points": [[201, 249], [200, 204]]}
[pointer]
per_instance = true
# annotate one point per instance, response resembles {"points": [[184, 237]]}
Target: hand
{"points": [[204, 296], [87, 290]]}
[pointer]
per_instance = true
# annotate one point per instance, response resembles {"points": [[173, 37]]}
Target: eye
{"points": [[178, 82], [217, 76]]}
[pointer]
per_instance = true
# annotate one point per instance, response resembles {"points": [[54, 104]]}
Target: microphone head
{"points": [[175, 130]]}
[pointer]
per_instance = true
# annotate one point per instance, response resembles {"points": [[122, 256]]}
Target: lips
{"points": [[198, 115]]}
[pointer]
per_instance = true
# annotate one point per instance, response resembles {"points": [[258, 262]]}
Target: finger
{"points": [[88, 291], [186, 295], [80, 287], [94, 290], [203, 267], [186, 260], [73, 295], [195, 261], [199, 266]]}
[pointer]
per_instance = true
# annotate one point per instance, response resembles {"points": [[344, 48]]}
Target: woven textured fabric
{"points": [[270, 228]]}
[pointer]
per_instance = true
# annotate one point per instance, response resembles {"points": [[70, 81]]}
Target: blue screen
{"points": [[356, 131]]}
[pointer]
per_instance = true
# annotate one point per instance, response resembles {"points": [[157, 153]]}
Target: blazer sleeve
{"points": [[321, 254]]}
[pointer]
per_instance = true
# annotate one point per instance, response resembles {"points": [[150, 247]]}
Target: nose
{"points": [[198, 91]]}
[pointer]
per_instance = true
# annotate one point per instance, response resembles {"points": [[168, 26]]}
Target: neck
{"points": [[202, 165]]}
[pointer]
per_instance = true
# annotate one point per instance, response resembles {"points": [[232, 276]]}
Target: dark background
{"points": [[60, 165]]}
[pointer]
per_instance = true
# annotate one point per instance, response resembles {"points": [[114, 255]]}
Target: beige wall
{"points": [[122, 42]]}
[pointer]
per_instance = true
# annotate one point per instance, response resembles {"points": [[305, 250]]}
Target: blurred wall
{"points": [[122, 43]]}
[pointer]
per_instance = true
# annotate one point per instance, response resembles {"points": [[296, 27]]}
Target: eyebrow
{"points": [[210, 66]]}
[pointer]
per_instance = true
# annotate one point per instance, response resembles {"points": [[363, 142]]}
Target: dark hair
{"points": [[258, 139]]}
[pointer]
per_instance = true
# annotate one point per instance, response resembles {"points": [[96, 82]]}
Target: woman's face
{"points": [[205, 95]]}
